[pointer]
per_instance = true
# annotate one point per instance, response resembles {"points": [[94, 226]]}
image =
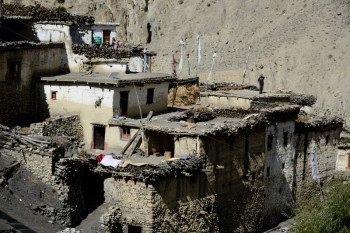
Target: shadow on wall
{"points": [[23, 100], [86, 191], [237, 162], [41, 107], [18, 30]]}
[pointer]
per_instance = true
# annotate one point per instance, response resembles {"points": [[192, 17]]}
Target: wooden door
{"points": [[99, 137], [106, 36]]}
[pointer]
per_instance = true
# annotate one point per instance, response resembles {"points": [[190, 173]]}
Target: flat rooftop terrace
{"points": [[246, 94], [176, 123], [242, 99], [101, 78]]}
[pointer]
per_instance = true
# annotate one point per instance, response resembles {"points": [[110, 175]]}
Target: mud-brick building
{"points": [[20, 64], [252, 167], [99, 98]]}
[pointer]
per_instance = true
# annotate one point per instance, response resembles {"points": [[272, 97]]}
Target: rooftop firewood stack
{"points": [[39, 13]]}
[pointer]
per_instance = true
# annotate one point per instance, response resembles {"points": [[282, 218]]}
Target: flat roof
{"points": [[245, 94], [16, 45], [162, 123], [100, 78], [106, 24]]}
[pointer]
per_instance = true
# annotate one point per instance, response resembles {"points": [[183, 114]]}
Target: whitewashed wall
{"points": [[58, 33], [98, 31], [81, 98], [109, 67]]}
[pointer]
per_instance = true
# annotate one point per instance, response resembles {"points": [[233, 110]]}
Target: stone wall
{"points": [[17, 95], [172, 205], [59, 126], [234, 171], [75, 185]]}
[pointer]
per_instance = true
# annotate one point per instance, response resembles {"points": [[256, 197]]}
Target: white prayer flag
{"points": [[199, 49], [212, 65], [183, 48], [314, 166]]}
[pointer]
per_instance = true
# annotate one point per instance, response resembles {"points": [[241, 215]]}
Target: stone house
{"points": [[99, 98], [252, 168], [20, 64]]}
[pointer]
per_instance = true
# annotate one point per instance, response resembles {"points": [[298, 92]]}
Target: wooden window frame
{"points": [[14, 69], [125, 132], [54, 95]]}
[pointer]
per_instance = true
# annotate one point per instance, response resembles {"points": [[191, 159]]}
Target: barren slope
{"points": [[299, 45]]}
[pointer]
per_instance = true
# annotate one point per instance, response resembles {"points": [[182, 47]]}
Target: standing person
{"points": [[115, 43], [261, 83]]}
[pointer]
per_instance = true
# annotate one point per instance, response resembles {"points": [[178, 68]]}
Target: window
{"points": [[14, 70], [124, 99], [54, 95], [285, 138], [150, 95], [269, 142], [267, 171], [125, 132]]}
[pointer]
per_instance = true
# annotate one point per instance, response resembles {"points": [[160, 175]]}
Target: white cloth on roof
{"points": [[109, 161]]}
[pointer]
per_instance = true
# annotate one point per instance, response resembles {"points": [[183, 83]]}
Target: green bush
{"points": [[332, 214], [60, 8]]}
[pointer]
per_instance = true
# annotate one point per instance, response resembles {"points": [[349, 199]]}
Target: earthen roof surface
{"points": [[162, 124], [120, 80], [244, 94]]}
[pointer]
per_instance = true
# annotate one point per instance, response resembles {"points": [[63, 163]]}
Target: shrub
{"points": [[329, 215]]}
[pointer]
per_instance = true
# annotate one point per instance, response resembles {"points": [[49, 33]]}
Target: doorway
{"points": [[124, 99], [106, 36], [99, 137]]}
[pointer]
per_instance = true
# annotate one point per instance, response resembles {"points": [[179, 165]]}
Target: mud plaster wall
{"points": [[230, 101], [326, 152], [172, 205], [234, 170], [279, 170], [59, 33], [16, 95], [185, 146], [343, 158]]}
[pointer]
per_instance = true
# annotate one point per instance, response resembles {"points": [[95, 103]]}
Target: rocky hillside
{"points": [[300, 45]]}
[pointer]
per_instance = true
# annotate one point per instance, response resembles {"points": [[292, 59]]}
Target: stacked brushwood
{"points": [[153, 173], [106, 51], [302, 99], [39, 13], [234, 113], [28, 44]]}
